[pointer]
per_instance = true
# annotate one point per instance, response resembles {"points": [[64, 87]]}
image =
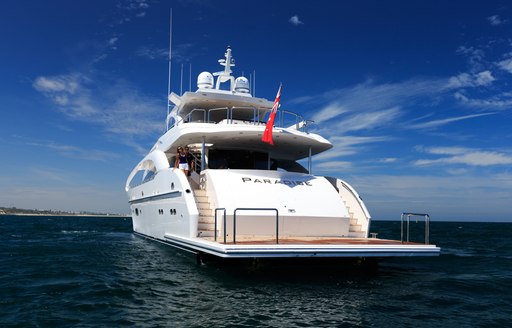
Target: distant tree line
{"points": [[14, 211]]}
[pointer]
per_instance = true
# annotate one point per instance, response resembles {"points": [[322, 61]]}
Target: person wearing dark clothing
{"points": [[190, 161]]}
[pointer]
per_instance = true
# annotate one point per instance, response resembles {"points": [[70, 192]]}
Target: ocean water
{"points": [[93, 272]]}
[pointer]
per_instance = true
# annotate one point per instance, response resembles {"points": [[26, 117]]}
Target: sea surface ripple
{"points": [[93, 272]]}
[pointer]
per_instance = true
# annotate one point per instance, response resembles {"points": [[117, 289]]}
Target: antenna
{"points": [[254, 84], [181, 81], [169, 78], [190, 77]]}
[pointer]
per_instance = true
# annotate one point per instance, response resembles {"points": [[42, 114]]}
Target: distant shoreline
{"points": [[67, 214]]}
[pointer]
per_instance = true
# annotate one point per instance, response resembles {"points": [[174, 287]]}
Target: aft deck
{"points": [[317, 241], [302, 247]]}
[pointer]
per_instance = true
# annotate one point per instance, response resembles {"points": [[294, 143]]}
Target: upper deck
{"points": [[230, 117]]}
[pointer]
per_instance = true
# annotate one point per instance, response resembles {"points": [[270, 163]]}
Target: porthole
{"points": [[172, 185]]}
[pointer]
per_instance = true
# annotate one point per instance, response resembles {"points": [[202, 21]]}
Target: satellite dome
{"points": [[242, 84], [205, 80]]}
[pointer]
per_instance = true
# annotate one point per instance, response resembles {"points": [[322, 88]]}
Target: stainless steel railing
{"points": [[284, 117], [408, 216], [234, 221]]}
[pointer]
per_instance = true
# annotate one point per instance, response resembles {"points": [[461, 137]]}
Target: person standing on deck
{"points": [[190, 161], [181, 161]]}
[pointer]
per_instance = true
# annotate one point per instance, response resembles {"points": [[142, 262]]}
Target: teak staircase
{"points": [[205, 226]]}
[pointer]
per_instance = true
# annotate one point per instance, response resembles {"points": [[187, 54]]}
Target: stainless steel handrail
{"points": [[253, 209], [356, 197], [189, 116], [255, 113], [216, 109], [408, 215], [298, 118], [255, 119]]}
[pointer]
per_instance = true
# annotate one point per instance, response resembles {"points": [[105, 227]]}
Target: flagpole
{"points": [[169, 77]]}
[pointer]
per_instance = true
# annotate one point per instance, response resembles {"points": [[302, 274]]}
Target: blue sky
{"points": [[416, 96]]}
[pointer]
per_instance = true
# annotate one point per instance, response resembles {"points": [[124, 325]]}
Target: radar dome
{"points": [[205, 80], [242, 85]]}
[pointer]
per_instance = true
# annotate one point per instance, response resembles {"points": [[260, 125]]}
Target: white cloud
{"points": [[152, 53], [484, 78], [388, 160], [463, 80], [294, 20], [365, 121], [332, 165], [112, 41], [369, 96], [114, 105], [475, 57], [347, 145], [495, 20], [501, 101], [330, 111], [60, 83], [465, 156], [441, 122], [506, 65]]}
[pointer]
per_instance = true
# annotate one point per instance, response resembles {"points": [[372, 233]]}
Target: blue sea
{"points": [[94, 272]]}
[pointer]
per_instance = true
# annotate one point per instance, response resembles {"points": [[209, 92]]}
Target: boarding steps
{"points": [[206, 222], [355, 229]]}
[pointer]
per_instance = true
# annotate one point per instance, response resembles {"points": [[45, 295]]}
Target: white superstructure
{"points": [[246, 198]]}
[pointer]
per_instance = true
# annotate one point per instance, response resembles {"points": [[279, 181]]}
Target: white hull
{"points": [[176, 217]]}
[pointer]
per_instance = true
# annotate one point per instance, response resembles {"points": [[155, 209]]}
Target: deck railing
{"points": [[408, 216], [234, 221], [285, 118]]}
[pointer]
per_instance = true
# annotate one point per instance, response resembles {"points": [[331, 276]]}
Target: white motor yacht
{"points": [[245, 198]]}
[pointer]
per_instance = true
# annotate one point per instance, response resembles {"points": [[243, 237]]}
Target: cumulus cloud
{"points": [[294, 20], [463, 80], [506, 65]]}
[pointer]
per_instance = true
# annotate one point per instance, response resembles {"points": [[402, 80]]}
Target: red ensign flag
{"points": [[267, 135]]}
